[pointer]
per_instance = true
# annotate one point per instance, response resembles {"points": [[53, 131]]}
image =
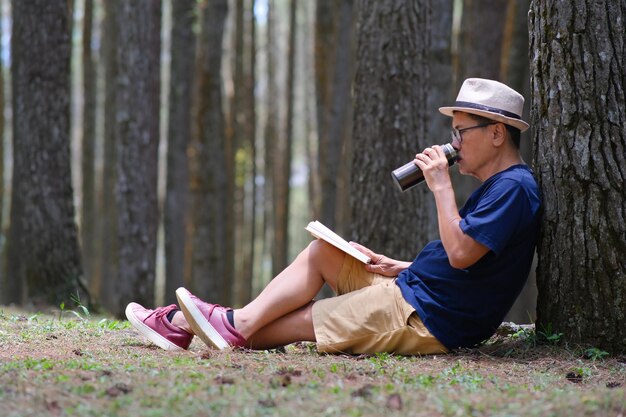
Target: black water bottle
{"points": [[409, 175]]}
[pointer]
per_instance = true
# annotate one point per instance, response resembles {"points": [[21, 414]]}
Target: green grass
{"points": [[69, 365]]}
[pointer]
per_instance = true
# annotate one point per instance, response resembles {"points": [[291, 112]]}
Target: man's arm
{"points": [[462, 250]]}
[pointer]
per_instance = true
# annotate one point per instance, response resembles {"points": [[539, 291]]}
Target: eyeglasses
{"points": [[456, 134]]}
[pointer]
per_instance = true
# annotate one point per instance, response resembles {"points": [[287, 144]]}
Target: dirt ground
{"points": [[66, 364]]}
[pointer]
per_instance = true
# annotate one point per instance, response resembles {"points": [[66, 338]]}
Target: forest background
{"points": [[151, 144]]}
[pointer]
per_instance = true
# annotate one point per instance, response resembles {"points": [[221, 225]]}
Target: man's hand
{"points": [[380, 263], [434, 164]]}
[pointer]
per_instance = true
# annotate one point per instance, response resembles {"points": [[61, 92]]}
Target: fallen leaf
{"points": [[224, 380], [267, 403], [118, 389], [394, 402], [574, 377], [365, 391]]}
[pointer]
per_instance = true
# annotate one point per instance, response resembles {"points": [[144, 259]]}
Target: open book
{"points": [[320, 231]]}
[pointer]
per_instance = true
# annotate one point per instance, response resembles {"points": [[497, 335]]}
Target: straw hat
{"points": [[490, 99]]}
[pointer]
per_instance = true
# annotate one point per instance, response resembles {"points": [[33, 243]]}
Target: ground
{"points": [[70, 363]]}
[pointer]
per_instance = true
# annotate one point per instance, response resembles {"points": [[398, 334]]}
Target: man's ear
{"points": [[499, 134]]}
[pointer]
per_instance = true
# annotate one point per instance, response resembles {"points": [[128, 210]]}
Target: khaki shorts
{"points": [[369, 315]]}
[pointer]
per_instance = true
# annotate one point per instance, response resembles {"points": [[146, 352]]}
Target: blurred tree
{"points": [[334, 62], [43, 251], [103, 285], [212, 239], [3, 275], [88, 146], [390, 93], [178, 138], [440, 91], [479, 55], [242, 126], [282, 160], [270, 133], [137, 138], [579, 88]]}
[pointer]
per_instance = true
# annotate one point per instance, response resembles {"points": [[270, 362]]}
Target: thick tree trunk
{"points": [[137, 132], [43, 256], [390, 94], [211, 204], [178, 136], [578, 86]]}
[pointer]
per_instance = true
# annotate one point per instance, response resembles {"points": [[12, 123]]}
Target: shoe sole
{"points": [[199, 324], [153, 336]]}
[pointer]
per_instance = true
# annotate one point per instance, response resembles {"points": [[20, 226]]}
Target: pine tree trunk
{"points": [[283, 159], [334, 62], [43, 254], [88, 221], [104, 285], [211, 204], [479, 56], [440, 91], [578, 86], [3, 275], [270, 134], [179, 134], [137, 132], [390, 93]]}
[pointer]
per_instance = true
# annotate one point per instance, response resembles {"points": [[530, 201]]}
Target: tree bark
{"points": [[43, 254], [577, 82], [440, 92], [334, 62], [283, 159], [88, 220], [270, 135], [390, 93], [179, 137], [104, 284], [211, 203], [137, 132]]}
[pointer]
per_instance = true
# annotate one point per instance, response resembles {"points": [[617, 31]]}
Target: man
{"points": [[454, 294]]}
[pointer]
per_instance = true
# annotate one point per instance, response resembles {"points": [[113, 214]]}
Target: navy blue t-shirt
{"points": [[463, 307]]}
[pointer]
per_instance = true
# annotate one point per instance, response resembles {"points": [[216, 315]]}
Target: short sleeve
{"points": [[498, 214]]}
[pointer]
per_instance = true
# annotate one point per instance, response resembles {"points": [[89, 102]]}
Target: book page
{"points": [[320, 231]]}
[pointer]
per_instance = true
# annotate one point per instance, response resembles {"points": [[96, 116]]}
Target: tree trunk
{"points": [[577, 60], [211, 204], [480, 55], [283, 159], [137, 132], [334, 63], [104, 285], [179, 133], [390, 94], [43, 254], [88, 221], [270, 135], [3, 275], [440, 92]]}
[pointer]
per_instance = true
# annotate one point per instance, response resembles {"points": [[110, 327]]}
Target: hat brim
{"points": [[517, 123]]}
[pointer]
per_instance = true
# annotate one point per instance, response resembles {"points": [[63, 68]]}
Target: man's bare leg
{"points": [[287, 297], [293, 288]]}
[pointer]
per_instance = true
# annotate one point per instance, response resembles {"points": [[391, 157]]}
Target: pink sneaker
{"points": [[155, 326], [208, 321]]}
